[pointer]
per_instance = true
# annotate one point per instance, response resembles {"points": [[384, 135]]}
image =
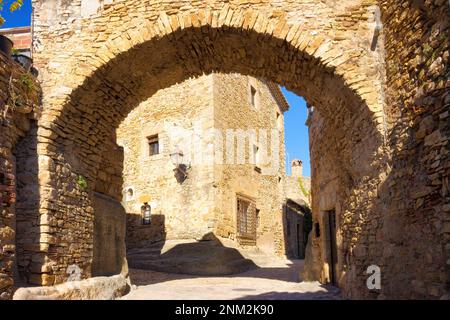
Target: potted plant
{"points": [[5, 45]]}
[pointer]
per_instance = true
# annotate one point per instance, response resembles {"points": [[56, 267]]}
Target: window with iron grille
{"points": [[246, 220]]}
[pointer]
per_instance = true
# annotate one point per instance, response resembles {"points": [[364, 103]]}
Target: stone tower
{"points": [[297, 168]]}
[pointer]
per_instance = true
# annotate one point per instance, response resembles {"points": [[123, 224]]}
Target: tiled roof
{"points": [[20, 36], [279, 96]]}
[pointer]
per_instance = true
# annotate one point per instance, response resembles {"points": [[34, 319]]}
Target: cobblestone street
{"points": [[277, 280]]}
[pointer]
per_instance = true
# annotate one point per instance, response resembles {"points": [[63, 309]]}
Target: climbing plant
{"points": [[302, 188], [27, 81], [22, 91], [11, 5], [82, 182]]}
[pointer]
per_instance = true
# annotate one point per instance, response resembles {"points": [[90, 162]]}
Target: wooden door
{"points": [[332, 246]]}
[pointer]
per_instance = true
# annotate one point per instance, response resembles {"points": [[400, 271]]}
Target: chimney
{"points": [[297, 168]]}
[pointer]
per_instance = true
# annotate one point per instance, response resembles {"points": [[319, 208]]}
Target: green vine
{"points": [[305, 192], [442, 36], [27, 81], [25, 85], [427, 49], [82, 182]]}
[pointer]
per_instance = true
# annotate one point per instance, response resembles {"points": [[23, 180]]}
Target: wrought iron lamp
{"points": [[146, 211], [180, 167]]}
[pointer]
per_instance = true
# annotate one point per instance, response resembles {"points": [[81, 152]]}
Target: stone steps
{"points": [[205, 258]]}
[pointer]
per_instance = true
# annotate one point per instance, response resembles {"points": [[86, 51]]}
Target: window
{"points": [[253, 96], [255, 154], [246, 221], [258, 218], [317, 229], [242, 208], [256, 160], [153, 145]]}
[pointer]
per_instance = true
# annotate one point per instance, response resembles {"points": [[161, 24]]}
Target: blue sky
{"points": [[296, 132], [19, 18]]}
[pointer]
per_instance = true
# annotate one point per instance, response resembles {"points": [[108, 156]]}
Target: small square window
{"points": [[153, 145], [317, 229]]}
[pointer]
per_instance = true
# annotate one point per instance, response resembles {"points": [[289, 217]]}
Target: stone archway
{"points": [[395, 217], [94, 77]]}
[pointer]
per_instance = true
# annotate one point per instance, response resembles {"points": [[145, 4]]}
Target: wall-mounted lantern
{"points": [[146, 211], [177, 158]]}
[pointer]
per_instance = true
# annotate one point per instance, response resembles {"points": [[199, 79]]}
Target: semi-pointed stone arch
{"points": [[97, 73], [341, 39]]}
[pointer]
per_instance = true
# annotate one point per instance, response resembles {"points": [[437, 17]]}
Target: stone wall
{"points": [[28, 232], [297, 186], [298, 189], [19, 109], [416, 218], [177, 115], [403, 228], [344, 179], [233, 110]]}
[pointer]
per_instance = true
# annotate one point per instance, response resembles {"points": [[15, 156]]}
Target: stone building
{"points": [[297, 225], [297, 222], [376, 72], [229, 129]]}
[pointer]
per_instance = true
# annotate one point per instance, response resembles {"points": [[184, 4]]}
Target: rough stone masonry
{"points": [[207, 118], [19, 110], [375, 72]]}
